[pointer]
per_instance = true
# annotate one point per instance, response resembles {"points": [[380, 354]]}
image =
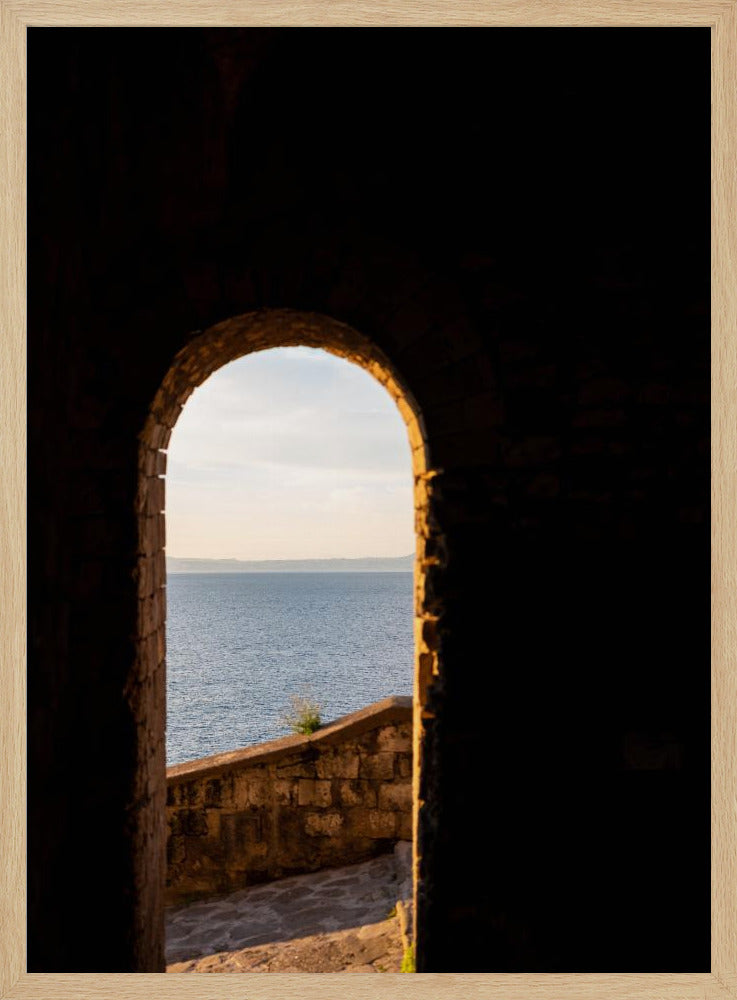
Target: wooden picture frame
{"points": [[721, 17]]}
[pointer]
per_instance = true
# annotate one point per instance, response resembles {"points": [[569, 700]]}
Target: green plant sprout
{"points": [[304, 714]]}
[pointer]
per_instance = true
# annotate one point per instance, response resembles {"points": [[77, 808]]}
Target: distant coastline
{"points": [[379, 564]]}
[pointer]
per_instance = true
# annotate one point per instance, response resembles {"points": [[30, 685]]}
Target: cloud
{"points": [[289, 453]]}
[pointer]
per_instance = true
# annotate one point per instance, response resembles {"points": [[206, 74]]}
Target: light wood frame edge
{"points": [[721, 17]]}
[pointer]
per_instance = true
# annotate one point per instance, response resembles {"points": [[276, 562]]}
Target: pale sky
{"points": [[289, 453]]}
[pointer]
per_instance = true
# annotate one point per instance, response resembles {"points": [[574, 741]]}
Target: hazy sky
{"points": [[289, 454]]}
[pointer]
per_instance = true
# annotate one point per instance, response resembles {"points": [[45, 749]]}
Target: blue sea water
{"points": [[239, 644]]}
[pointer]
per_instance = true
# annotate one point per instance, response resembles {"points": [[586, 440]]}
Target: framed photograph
{"points": [[520, 222]]}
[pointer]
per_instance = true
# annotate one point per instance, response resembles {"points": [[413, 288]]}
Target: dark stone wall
{"points": [[519, 219]]}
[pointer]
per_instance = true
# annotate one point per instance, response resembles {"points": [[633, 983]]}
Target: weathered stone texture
{"points": [[261, 813]]}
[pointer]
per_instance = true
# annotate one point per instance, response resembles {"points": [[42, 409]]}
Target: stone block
{"points": [[285, 791], [296, 768], [212, 819], [337, 765], [395, 739], [176, 851], [372, 824], [258, 792], [377, 766], [189, 794], [314, 793], [404, 766], [154, 495], [194, 822], [239, 832], [323, 824], [396, 797], [239, 798], [357, 793], [213, 792], [404, 825], [381, 824]]}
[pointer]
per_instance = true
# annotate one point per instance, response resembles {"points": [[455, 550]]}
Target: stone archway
{"points": [[204, 354]]}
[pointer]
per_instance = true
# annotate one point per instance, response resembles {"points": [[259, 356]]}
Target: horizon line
{"points": [[408, 555]]}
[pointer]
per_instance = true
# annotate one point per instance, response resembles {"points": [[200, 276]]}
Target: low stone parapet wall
{"points": [[294, 805]]}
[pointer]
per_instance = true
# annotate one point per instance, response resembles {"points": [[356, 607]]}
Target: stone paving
{"points": [[323, 903], [370, 948]]}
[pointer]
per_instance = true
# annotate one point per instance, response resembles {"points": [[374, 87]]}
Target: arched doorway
{"points": [[204, 354]]}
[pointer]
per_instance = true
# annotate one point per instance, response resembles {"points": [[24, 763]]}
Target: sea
{"points": [[240, 645]]}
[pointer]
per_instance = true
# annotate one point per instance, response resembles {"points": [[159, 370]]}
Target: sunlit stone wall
{"points": [[293, 805]]}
